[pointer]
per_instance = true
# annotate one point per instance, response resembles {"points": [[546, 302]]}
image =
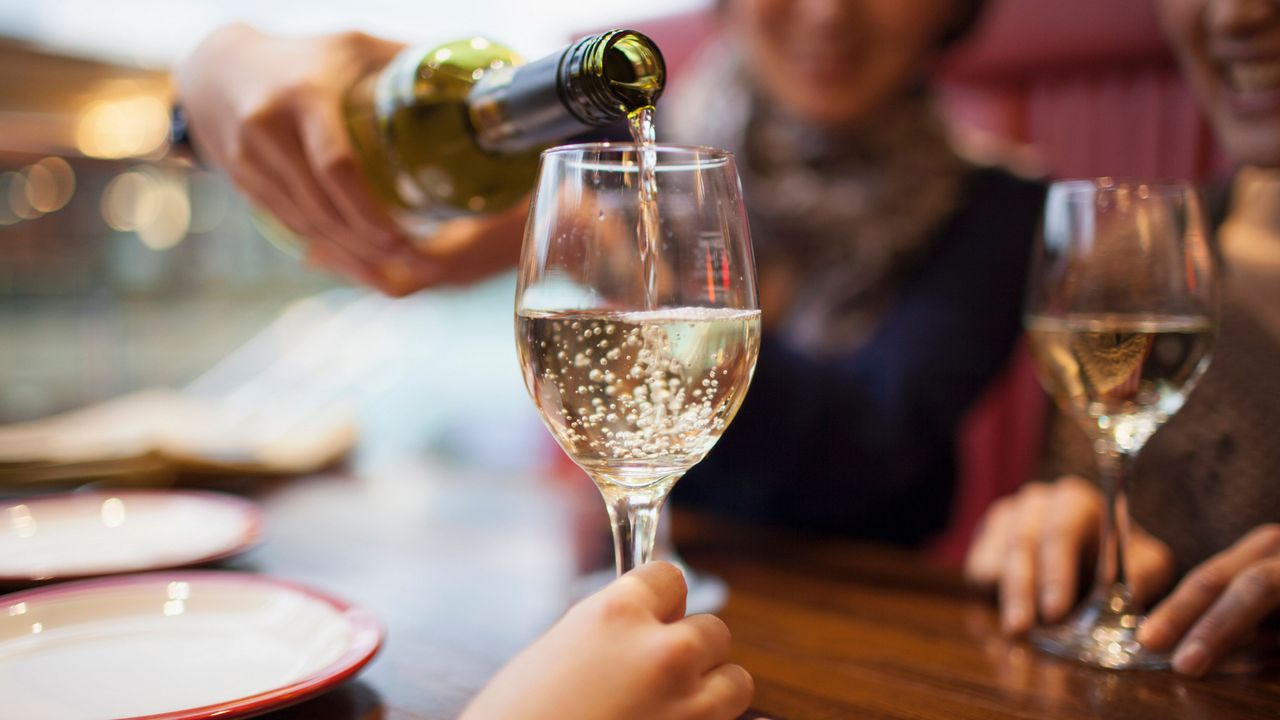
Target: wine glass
{"points": [[1121, 312], [637, 333]]}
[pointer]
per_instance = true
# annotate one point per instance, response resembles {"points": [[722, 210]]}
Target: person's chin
{"points": [[1258, 146], [829, 116], [825, 109], [1254, 104], [1246, 121]]}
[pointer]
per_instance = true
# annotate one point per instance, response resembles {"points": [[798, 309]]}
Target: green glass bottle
{"points": [[456, 130]]}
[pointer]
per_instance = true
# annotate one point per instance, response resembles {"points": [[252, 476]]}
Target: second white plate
{"points": [[76, 535]]}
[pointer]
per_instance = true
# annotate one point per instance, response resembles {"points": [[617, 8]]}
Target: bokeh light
{"points": [[123, 127], [50, 183], [172, 219], [155, 205], [18, 203], [127, 201]]}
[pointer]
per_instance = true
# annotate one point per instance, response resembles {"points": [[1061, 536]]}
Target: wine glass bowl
{"points": [[637, 321], [1121, 313]]}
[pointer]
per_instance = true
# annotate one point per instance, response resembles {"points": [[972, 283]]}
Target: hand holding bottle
{"points": [[372, 154], [268, 111], [625, 652]]}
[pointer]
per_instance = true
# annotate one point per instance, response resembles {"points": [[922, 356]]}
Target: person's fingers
{"points": [[366, 230], [985, 558], [334, 257], [1018, 576], [726, 694], [1068, 530], [468, 249], [1150, 565], [1017, 588], [266, 177], [333, 163], [1251, 596], [325, 245], [713, 637], [270, 194], [1203, 586], [267, 194], [406, 275], [278, 148], [661, 589]]}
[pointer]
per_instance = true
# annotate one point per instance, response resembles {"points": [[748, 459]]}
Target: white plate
{"points": [[76, 535], [175, 646]]}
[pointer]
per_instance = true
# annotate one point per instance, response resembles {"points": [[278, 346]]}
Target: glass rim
{"points": [[1075, 187], [696, 155]]}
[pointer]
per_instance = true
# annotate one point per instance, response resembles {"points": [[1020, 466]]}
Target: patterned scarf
{"points": [[851, 213]]}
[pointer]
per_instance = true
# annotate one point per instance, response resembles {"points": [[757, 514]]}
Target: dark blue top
{"points": [[864, 445]]}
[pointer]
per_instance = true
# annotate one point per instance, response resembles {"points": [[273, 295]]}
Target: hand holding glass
{"points": [[1121, 315]]}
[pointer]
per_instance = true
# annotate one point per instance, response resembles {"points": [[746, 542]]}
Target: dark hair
{"points": [[968, 13]]}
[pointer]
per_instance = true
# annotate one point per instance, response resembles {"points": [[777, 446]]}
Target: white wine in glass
{"points": [[640, 394], [1122, 307], [638, 339], [1129, 372]]}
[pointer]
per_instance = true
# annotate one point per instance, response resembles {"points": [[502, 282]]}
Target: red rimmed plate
{"points": [[78, 535], [175, 646]]}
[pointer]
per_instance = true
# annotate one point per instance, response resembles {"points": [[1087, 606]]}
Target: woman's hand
{"points": [[268, 111], [1033, 546], [1218, 603], [625, 652]]}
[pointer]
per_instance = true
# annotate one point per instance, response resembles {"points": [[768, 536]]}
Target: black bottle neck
{"points": [[594, 82]]}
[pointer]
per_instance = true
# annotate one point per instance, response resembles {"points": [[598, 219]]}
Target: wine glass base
{"points": [[1097, 635]]}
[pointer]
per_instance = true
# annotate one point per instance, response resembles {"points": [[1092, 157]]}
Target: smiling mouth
{"points": [[1253, 76]]}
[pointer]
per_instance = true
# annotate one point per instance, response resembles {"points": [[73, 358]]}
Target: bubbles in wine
{"points": [[639, 394]]}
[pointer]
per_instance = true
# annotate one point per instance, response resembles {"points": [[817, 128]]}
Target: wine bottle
{"points": [[456, 130]]}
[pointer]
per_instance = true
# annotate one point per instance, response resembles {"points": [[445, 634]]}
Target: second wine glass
{"points": [[1121, 315], [637, 328]]}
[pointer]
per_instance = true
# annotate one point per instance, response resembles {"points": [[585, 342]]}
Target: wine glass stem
{"points": [[634, 512], [1116, 467]]}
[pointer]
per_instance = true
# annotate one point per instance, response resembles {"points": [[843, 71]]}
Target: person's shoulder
{"points": [[994, 225], [999, 169], [988, 185], [999, 208]]}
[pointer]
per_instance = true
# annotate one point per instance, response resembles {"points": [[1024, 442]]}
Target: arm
{"points": [[267, 111], [625, 652]]}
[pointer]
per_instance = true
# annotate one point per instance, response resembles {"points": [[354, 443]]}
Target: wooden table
{"points": [[466, 565]]}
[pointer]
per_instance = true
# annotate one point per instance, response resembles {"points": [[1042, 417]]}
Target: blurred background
{"points": [[121, 269]]}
